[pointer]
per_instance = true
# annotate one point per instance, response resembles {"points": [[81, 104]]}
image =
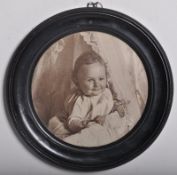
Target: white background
{"points": [[19, 17]]}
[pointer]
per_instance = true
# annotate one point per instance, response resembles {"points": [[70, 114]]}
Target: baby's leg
{"points": [[58, 128]]}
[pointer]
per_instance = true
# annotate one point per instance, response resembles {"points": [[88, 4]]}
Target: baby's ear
{"points": [[108, 82]]}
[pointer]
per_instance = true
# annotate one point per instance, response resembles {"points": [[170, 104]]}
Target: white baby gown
{"points": [[82, 107]]}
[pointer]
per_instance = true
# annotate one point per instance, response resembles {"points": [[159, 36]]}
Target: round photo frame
{"points": [[19, 79]]}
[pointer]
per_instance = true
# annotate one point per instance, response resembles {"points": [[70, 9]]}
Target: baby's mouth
{"points": [[96, 90]]}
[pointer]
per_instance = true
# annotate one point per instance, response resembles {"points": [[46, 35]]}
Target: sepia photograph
{"points": [[89, 89]]}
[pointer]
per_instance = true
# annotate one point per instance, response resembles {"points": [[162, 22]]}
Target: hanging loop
{"points": [[94, 4]]}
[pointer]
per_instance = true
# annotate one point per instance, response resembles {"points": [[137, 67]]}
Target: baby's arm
{"points": [[57, 127], [77, 119]]}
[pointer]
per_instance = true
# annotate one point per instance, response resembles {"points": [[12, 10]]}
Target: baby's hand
{"points": [[76, 125], [100, 119], [121, 110], [120, 107]]}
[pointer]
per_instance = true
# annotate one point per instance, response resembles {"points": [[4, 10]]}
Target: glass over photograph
{"points": [[89, 89]]}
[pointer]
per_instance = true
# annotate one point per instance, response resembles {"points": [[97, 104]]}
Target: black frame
{"points": [[18, 89]]}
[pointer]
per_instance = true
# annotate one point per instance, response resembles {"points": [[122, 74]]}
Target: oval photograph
{"points": [[89, 89]]}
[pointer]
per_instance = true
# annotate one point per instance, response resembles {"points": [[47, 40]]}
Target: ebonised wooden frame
{"points": [[19, 77]]}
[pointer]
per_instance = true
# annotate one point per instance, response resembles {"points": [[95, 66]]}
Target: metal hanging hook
{"points": [[94, 4]]}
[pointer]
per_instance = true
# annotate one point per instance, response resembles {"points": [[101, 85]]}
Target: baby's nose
{"points": [[96, 83]]}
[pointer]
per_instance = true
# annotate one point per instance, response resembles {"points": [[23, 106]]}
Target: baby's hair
{"points": [[86, 59]]}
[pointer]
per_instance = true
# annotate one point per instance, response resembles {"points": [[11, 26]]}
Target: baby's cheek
{"points": [[103, 85], [89, 86]]}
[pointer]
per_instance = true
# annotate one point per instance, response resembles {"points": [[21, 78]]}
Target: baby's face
{"points": [[92, 79]]}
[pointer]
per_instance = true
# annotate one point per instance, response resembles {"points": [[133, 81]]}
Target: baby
{"points": [[92, 100]]}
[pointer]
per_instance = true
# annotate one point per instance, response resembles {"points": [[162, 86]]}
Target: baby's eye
{"points": [[101, 79], [90, 80]]}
